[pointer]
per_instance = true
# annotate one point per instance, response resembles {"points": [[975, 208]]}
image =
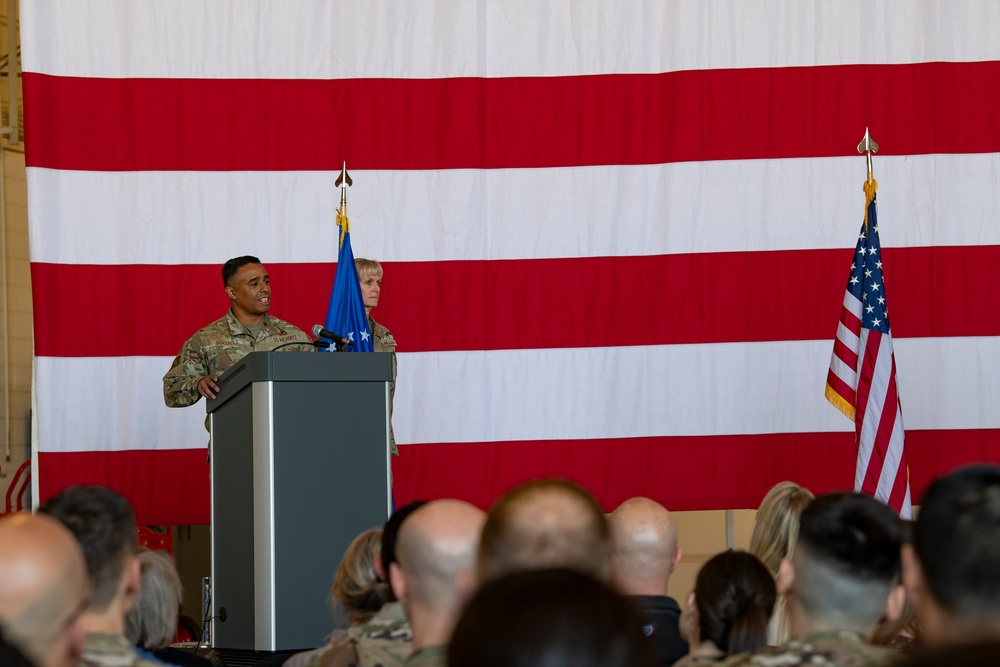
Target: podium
{"points": [[300, 467]]}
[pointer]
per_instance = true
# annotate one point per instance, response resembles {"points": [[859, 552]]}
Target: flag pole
{"points": [[343, 182], [868, 146]]}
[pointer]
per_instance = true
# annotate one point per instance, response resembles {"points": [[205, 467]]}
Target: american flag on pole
{"points": [[577, 203], [861, 382]]}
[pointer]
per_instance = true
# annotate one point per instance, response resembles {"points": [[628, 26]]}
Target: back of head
{"points": [[43, 589], [547, 618], [546, 523], [152, 623], [104, 524], [356, 584], [957, 540], [436, 551], [643, 547], [847, 560], [233, 265], [777, 524], [734, 594]]}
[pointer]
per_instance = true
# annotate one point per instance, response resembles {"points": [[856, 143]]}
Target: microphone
{"points": [[320, 332]]}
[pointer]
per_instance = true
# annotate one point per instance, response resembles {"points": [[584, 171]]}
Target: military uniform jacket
{"points": [[821, 649], [114, 651], [218, 347], [384, 641], [382, 341]]}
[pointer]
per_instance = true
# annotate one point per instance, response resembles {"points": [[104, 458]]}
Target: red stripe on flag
{"points": [[845, 354], [455, 123], [175, 482], [883, 434], [684, 473], [851, 321], [584, 302], [869, 355], [840, 387]]}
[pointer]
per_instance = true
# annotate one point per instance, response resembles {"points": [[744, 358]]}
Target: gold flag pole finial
{"points": [[868, 146], [343, 182]]}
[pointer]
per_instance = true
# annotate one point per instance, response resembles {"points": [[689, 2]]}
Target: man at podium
{"points": [[246, 327]]}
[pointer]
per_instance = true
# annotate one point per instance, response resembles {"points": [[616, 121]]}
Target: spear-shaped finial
{"points": [[344, 181], [868, 146]]}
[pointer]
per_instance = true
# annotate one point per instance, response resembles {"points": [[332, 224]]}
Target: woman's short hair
{"points": [[734, 594], [356, 584], [152, 622], [777, 525], [549, 617], [367, 267]]}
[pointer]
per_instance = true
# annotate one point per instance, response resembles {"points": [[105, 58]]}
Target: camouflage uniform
{"points": [[114, 651], [218, 347], [435, 656], [843, 648], [821, 649], [384, 641], [382, 341]]}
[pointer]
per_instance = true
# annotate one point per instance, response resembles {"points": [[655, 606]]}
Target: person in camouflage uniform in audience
{"points": [[246, 327], [384, 641]]}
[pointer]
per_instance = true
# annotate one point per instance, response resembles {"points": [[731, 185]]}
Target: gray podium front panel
{"points": [[299, 468]]}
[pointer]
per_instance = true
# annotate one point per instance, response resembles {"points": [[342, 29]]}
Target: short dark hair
{"points": [[735, 596], [545, 523], [847, 558], [550, 617], [957, 540], [104, 524], [230, 268], [391, 531]]}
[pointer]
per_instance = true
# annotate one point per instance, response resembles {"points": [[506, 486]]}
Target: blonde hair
{"points": [[777, 526], [367, 267], [356, 584]]}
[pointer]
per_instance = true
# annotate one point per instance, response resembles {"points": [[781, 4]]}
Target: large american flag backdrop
{"points": [[614, 233]]}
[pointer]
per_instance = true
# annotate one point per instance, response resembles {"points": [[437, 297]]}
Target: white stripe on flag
{"points": [[321, 39], [534, 394], [160, 217]]}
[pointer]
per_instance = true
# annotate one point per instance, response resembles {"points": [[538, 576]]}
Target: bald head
{"points": [[547, 523], [643, 547], [437, 544], [434, 573], [43, 588]]}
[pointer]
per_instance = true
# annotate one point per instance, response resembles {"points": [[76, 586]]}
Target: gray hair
{"points": [[152, 622]]}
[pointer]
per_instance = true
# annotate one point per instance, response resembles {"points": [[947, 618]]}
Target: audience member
{"points": [[549, 617], [842, 579], [435, 573], [43, 590], [644, 554], [774, 533], [104, 525], [952, 571], [356, 586], [152, 622], [728, 611], [385, 639], [545, 523]]}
